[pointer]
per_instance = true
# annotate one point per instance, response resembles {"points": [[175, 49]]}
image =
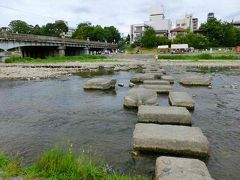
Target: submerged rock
{"points": [[140, 96], [172, 168], [139, 78], [196, 81], [100, 84], [156, 82], [168, 78], [158, 88]]}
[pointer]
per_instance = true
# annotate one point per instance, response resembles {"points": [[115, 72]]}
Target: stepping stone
{"points": [[139, 78], [181, 99], [156, 82], [140, 96], [172, 168], [164, 115], [100, 84], [168, 78], [160, 71], [179, 140], [157, 88], [196, 81]]}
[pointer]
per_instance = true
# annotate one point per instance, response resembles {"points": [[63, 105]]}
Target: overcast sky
{"points": [[120, 13]]}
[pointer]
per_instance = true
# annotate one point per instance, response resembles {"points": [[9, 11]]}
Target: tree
{"points": [[54, 29], [219, 33], [84, 31], [163, 40], [99, 33], [197, 41], [18, 26], [149, 38], [112, 34]]}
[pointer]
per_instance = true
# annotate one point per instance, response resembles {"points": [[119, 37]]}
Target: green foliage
{"points": [[61, 164], [54, 29], [149, 39], [84, 31], [18, 26], [197, 41], [96, 33], [163, 40], [219, 33], [112, 34], [10, 166], [50, 29], [82, 58], [203, 56]]}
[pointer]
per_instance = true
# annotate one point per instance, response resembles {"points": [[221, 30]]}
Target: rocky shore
{"points": [[42, 71]]}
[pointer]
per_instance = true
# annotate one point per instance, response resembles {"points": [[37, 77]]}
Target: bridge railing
{"points": [[37, 38]]}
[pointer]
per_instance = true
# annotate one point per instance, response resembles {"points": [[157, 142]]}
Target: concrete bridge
{"points": [[43, 46]]}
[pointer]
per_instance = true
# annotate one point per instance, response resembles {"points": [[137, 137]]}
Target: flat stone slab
{"points": [[168, 78], [181, 99], [156, 82], [140, 96], [196, 81], [157, 88], [160, 71], [100, 84], [172, 168], [139, 78], [180, 140], [164, 115]]}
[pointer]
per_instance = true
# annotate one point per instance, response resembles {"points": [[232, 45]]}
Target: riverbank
{"points": [[38, 71]]}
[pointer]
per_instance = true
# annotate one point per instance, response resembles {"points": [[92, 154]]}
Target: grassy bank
{"points": [[60, 164], [198, 57], [82, 58]]}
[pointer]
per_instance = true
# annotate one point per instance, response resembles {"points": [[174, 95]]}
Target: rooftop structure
{"points": [[211, 15]]}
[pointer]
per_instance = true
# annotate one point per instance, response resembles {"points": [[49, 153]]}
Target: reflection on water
{"points": [[36, 115]]}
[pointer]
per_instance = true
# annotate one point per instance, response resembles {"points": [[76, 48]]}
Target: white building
{"points": [[157, 21], [188, 22], [137, 31]]}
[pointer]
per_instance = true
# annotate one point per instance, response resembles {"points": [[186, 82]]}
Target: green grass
{"points": [[10, 166], [59, 164], [82, 58], [198, 57]]}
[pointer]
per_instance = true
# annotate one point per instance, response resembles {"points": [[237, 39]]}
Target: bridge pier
{"points": [[86, 51], [61, 51]]}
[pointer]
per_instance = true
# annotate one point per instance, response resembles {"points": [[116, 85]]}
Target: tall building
{"points": [[195, 24], [157, 21], [188, 22], [137, 31], [211, 15]]}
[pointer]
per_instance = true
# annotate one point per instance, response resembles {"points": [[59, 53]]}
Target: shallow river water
{"points": [[36, 115]]}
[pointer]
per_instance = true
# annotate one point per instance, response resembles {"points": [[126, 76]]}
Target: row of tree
{"points": [[213, 33], [84, 31], [97, 33], [50, 29]]}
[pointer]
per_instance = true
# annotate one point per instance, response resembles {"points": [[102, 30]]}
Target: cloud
{"points": [[119, 13]]}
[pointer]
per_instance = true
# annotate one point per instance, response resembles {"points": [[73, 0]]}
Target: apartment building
{"points": [[156, 21]]}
